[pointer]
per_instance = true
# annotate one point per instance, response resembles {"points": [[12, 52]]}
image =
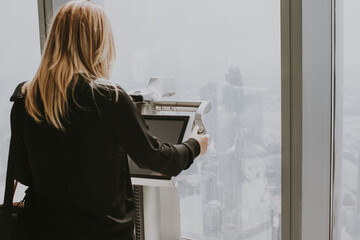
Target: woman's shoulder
{"points": [[18, 93], [109, 90]]}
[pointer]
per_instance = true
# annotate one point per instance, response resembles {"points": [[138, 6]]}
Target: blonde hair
{"points": [[80, 43]]}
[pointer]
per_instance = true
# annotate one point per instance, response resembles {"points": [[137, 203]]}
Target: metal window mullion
{"points": [[291, 111], [317, 118], [333, 124], [45, 11]]}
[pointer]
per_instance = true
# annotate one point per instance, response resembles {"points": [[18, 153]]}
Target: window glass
{"points": [[19, 58], [347, 171], [226, 52]]}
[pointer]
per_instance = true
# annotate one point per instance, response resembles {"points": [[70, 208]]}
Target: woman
{"points": [[74, 130]]}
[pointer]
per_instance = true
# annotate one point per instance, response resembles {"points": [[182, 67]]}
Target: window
{"points": [[347, 199], [227, 52], [19, 58]]}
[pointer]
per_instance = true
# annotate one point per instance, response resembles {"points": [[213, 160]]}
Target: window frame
{"points": [[307, 107], [308, 114]]}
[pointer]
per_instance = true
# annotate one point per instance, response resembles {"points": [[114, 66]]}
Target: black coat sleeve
{"points": [[17, 150], [144, 148]]}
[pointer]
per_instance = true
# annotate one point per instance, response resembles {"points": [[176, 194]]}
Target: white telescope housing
{"points": [[157, 199]]}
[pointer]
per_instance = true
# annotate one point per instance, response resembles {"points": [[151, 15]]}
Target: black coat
{"points": [[79, 180]]}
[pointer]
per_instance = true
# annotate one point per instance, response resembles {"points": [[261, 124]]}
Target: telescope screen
{"points": [[167, 129]]}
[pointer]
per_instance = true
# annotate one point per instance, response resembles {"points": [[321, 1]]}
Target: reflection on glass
{"points": [[226, 52], [347, 199], [19, 58]]}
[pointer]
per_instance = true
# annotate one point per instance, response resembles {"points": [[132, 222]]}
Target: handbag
{"points": [[12, 219]]}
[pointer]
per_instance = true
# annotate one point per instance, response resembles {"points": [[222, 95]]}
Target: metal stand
{"points": [[139, 212]]}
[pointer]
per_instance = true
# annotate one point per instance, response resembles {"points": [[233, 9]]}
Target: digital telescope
{"points": [[157, 202], [170, 121]]}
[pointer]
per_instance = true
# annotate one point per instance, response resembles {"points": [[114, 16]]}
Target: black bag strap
{"points": [[8, 198], [11, 183]]}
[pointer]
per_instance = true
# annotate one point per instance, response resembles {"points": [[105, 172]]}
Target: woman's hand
{"points": [[202, 139]]}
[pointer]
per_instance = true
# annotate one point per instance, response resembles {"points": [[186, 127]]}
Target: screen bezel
{"points": [[184, 119]]}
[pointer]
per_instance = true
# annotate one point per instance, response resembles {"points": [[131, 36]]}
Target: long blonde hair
{"points": [[80, 43]]}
